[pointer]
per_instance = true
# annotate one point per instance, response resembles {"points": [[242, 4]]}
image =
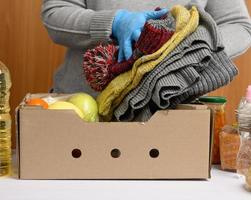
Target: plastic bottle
{"points": [[248, 179], [244, 122], [5, 122]]}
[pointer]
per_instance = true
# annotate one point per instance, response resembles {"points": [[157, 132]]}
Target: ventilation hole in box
{"points": [[115, 153], [76, 153], [154, 153]]}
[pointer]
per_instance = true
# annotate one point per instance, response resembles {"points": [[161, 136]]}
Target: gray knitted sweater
{"points": [[82, 24], [195, 67]]}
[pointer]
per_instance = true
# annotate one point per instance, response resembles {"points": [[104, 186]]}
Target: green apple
{"points": [[87, 105], [63, 105]]}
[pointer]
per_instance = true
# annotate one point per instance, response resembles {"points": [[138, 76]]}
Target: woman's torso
{"points": [[69, 78]]}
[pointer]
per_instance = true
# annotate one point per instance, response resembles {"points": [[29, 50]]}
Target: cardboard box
{"points": [[57, 144]]}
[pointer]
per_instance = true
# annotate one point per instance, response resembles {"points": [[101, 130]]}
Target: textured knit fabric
{"points": [[97, 63], [100, 64], [82, 24], [197, 66], [155, 33], [110, 98]]}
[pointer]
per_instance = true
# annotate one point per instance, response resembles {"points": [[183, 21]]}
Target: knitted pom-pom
{"points": [[96, 65]]}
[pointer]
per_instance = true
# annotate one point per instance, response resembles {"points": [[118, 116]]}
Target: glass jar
{"points": [[229, 147], [217, 105]]}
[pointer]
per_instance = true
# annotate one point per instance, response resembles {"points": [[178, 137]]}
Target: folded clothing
{"points": [[186, 23], [100, 64], [197, 66]]}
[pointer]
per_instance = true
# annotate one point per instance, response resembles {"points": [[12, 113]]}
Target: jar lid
{"points": [[213, 99]]}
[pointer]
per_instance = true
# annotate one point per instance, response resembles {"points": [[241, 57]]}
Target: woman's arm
{"points": [[69, 23], [234, 23]]}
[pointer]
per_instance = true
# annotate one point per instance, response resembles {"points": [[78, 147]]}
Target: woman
{"points": [[82, 24]]}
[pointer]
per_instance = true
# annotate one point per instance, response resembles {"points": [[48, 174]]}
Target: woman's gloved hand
{"points": [[127, 27]]}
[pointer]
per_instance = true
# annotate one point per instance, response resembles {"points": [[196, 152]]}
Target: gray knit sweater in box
{"points": [[197, 66], [82, 24]]}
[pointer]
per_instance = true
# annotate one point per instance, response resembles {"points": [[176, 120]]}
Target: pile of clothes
{"points": [[190, 63]]}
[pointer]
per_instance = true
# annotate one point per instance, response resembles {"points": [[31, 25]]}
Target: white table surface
{"points": [[222, 186]]}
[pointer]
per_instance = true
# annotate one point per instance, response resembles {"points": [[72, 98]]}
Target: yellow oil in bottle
{"points": [[5, 122], [5, 144]]}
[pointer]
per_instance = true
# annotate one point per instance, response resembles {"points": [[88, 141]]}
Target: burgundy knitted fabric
{"points": [[150, 40], [100, 63]]}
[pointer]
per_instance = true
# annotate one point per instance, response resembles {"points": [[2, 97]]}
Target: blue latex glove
{"points": [[127, 27]]}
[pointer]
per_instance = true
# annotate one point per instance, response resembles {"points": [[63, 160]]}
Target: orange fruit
{"points": [[37, 102]]}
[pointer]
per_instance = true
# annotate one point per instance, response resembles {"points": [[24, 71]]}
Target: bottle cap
{"points": [[248, 95], [213, 99]]}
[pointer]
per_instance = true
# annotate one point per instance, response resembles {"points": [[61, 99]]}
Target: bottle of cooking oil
{"points": [[5, 122]]}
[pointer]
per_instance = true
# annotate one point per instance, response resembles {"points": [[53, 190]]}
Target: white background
{"points": [[222, 186]]}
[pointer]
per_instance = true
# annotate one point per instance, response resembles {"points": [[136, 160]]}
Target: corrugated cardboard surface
{"points": [[47, 138]]}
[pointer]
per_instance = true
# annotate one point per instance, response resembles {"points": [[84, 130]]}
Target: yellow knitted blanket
{"points": [[186, 23]]}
